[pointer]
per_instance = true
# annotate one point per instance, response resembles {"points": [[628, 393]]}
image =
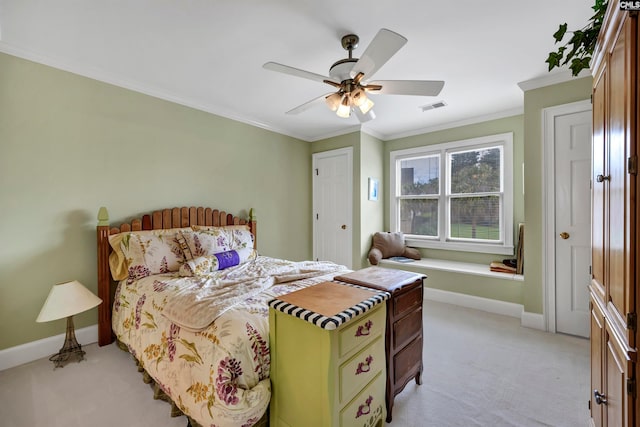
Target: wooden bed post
{"points": [[105, 335]]}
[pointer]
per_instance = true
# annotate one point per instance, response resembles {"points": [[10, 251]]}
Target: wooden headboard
{"points": [[160, 219]]}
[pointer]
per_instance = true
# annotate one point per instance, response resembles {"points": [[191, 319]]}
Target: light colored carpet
{"points": [[481, 369]]}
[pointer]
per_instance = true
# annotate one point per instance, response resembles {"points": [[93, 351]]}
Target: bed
{"points": [[186, 293]]}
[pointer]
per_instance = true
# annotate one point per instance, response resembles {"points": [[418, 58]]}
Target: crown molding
{"points": [[551, 79], [464, 122]]}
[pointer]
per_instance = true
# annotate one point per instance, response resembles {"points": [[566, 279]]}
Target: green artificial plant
{"points": [[578, 50]]}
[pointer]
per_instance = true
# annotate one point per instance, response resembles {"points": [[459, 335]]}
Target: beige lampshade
{"points": [[67, 299]]}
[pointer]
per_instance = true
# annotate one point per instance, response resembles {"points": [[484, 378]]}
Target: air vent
{"points": [[433, 106]]}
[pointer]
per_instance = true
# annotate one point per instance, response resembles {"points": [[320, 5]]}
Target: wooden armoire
{"points": [[614, 281]]}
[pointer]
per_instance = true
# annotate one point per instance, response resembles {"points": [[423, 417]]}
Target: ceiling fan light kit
{"points": [[344, 103], [350, 76]]}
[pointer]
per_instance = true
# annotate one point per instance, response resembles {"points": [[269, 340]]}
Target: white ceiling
{"points": [[208, 54]]}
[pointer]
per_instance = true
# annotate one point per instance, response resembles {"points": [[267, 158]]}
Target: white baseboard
{"points": [[529, 320], [533, 321], [25, 353], [471, 301]]}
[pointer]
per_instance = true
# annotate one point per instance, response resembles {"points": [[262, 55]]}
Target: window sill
{"points": [[461, 247], [453, 267]]}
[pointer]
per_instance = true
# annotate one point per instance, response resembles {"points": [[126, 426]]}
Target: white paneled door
{"points": [[332, 206], [572, 237]]}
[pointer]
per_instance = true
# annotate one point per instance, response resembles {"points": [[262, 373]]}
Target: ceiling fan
{"points": [[350, 76]]}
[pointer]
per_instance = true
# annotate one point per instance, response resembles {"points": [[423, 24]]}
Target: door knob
{"points": [[565, 235], [601, 178], [600, 398], [344, 226]]}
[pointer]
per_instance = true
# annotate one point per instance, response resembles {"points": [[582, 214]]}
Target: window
{"points": [[455, 195]]}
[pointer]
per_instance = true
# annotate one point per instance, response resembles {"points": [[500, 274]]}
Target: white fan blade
{"points": [[309, 104], [274, 66], [383, 46], [364, 117], [408, 87]]}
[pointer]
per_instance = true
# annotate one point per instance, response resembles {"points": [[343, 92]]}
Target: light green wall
{"points": [[69, 145], [371, 212], [337, 142], [503, 290], [534, 102]]}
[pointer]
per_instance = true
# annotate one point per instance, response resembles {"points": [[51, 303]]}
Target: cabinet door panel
{"points": [[598, 200], [597, 320], [616, 186], [616, 375]]}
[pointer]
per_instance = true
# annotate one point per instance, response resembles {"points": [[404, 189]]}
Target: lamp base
{"points": [[70, 347]]}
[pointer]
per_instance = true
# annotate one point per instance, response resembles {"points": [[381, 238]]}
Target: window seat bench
{"points": [[426, 264]]}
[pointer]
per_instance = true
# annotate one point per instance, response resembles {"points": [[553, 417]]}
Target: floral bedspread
{"points": [[218, 375]]}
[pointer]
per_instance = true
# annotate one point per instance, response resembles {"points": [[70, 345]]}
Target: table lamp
{"points": [[65, 300]]}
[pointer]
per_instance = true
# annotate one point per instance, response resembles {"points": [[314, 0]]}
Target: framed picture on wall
{"points": [[373, 189]]}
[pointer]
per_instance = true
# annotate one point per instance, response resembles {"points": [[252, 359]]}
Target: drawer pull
{"points": [[364, 330], [364, 366], [365, 408]]}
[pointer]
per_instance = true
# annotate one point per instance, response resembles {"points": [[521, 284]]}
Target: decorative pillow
{"points": [[386, 245], [117, 262], [240, 236], [210, 263], [142, 253], [200, 243]]}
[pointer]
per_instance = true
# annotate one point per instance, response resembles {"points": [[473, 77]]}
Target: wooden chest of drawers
{"points": [[328, 357], [403, 338]]}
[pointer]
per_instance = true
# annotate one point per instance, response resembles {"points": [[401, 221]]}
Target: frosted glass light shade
{"points": [[344, 110], [333, 101], [358, 97], [67, 299], [366, 105]]}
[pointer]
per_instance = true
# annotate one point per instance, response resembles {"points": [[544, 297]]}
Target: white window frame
{"points": [[502, 247]]}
